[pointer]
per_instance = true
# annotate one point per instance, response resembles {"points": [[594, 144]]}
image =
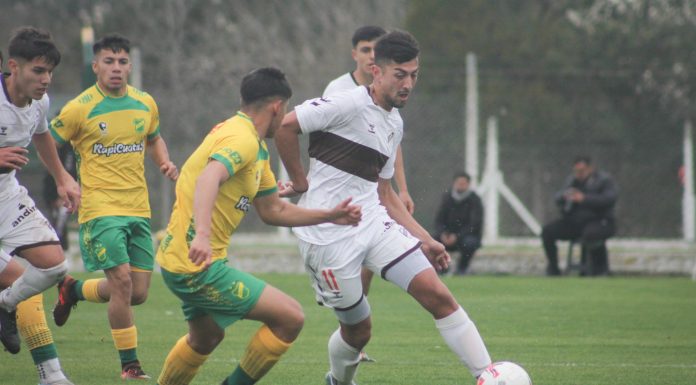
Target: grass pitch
{"points": [[619, 330]]}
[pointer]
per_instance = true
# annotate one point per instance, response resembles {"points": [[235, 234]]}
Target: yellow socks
{"points": [[263, 351], [181, 364], [31, 322], [90, 290]]}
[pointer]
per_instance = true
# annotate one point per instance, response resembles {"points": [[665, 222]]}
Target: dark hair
{"points": [[113, 42], [396, 46], [264, 83], [29, 43], [367, 33], [462, 174], [1, 58], [582, 159]]}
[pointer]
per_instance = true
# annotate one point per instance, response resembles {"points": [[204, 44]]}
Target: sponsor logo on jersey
{"points": [[233, 155], [117, 149], [139, 124], [23, 214], [243, 204]]}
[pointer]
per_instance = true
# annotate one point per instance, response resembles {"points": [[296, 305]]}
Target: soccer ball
{"points": [[504, 373]]}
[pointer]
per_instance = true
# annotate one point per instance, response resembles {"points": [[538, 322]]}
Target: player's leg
{"points": [[191, 351], [10, 270], [399, 259], [31, 321], [282, 319], [133, 230], [28, 234], [335, 270], [120, 314]]}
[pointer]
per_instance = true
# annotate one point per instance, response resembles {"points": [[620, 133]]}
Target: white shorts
{"points": [[22, 226], [383, 246]]}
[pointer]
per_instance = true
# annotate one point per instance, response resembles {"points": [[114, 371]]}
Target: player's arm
{"points": [[288, 144], [67, 187], [433, 249], [278, 212], [157, 149], [207, 187], [400, 178]]}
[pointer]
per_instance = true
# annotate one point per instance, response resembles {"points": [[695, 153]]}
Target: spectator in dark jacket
{"points": [[459, 220], [587, 214]]}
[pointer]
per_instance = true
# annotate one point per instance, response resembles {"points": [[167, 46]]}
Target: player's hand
{"points": [[436, 253], [169, 170], [346, 214], [12, 158], [69, 192], [200, 252], [288, 190], [406, 199]]}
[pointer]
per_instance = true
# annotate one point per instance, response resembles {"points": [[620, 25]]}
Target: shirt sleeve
{"points": [[66, 125], [235, 152], [323, 113], [268, 183], [154, 129]]}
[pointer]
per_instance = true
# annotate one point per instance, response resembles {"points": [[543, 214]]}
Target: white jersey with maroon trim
{"points": [[17, 126], [352, 145]]}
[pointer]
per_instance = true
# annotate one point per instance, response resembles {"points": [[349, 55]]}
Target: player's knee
{"points": [[55, 273], [358, 335], [295, 322], [138, 298], [206, 343]]}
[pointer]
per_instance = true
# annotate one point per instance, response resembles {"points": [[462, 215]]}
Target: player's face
{"points": [[395, 81], [112, 69], [32, 77], [364, 56], [278, 109]]}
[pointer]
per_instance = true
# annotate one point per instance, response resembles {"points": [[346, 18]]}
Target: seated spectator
{"points": [[587, 215], [459, 221]]}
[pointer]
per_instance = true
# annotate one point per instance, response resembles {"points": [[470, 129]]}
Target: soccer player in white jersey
{"points": [[24, 231], [354, 137]]}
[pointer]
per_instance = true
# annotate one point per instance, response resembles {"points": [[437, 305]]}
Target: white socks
{"points": [[50, 371], [344, 359], [462, 337], [33, 281]]}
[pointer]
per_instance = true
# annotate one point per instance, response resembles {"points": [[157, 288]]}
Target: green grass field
{"points": [[619, 330]]}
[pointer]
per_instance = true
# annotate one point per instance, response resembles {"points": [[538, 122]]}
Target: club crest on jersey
{"points": [[139, 124], [3, 131], [102, 128], [243, 204], [57, 123], [370, 128], [391, 136]]}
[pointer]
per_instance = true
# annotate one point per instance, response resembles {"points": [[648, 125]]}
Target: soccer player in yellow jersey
{"points": [[229, 172], [111, 125]]}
